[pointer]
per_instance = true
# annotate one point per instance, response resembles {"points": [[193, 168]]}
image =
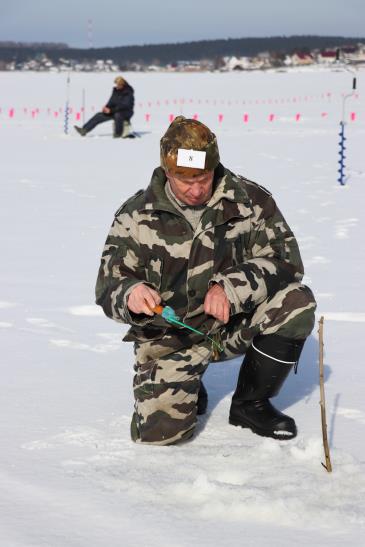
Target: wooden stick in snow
{"points": [[322, 402]]}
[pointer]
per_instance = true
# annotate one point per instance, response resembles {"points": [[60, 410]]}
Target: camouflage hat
{"points": [[119, 81], [188, 135]]}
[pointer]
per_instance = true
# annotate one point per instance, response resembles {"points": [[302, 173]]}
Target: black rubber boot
{"points": [[265, 368], [202, 400], [81, 131]]}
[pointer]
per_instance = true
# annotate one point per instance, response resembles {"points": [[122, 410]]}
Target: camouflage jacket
{"points": [[242, 242]]}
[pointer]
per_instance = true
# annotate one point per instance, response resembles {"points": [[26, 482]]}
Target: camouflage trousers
{"points": [[167, 382]]}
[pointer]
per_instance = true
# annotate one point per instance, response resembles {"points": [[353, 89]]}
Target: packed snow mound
{"points": [[230, 476]]}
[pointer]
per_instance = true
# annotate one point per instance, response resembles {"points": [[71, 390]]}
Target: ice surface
{"points": [[70, 476]]}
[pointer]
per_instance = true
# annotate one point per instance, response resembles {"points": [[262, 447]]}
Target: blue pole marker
{"points": [[342, 178], [65, 125], [67, 109], [341, 170]]}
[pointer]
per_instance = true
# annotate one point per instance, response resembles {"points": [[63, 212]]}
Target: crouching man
{"points": [[213, 246]]}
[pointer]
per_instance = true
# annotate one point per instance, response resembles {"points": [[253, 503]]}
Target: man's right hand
{"points": [[106, 110], [143, 299]]}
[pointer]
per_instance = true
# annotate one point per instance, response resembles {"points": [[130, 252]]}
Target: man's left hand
{"points": [[217, 304]]}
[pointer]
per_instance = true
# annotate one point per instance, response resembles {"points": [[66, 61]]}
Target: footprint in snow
{"points": [[4, 305], [351, 414], [344, 226], [111, 342], [317, 260], [88, 311]]}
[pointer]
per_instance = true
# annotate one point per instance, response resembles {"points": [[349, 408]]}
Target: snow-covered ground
{"points": [[70, 476]]}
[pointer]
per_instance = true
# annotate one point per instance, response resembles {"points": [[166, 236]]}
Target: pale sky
{"points": [[137, 22]]}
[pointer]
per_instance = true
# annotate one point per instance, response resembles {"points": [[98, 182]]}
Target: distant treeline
{"points": [[33, 45], [162, 54]]}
